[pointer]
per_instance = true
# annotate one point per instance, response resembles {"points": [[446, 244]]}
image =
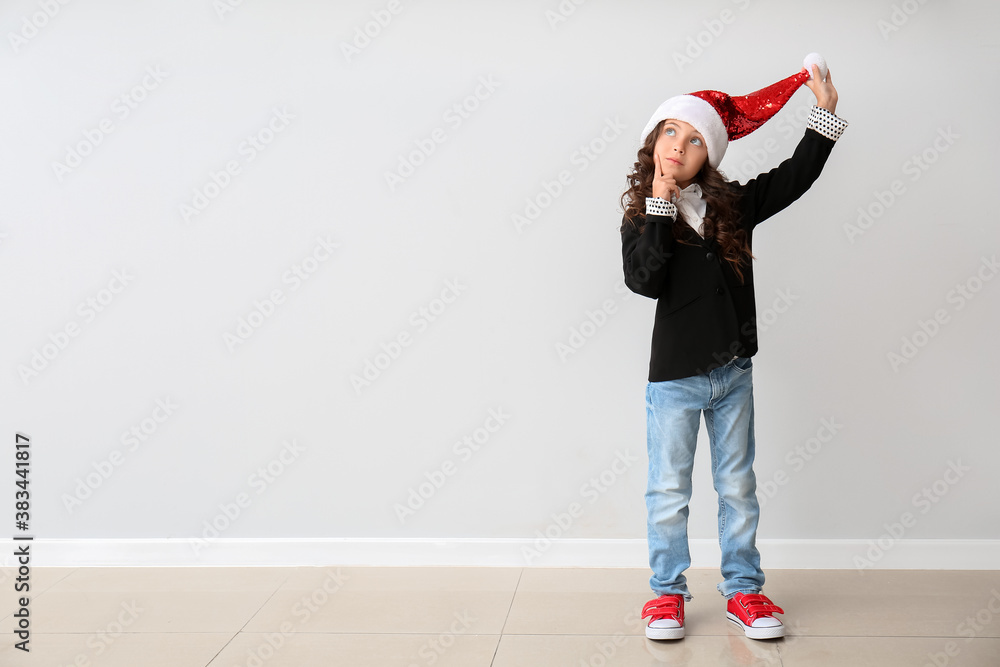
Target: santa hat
{"points": [[721, 118]]}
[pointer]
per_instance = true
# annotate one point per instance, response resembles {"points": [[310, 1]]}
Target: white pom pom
{"points": [[815, 59]]}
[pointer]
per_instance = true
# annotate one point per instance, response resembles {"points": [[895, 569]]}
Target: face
{"points": [[681, 151]]}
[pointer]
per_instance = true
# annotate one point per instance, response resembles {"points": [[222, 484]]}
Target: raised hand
{"points": [[826, 94], [664, 184]]}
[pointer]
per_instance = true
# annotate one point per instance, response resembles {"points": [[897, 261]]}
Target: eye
{"points": [[696, 141], [669, 131]]}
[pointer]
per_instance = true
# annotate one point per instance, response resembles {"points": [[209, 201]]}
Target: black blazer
{"points": [[704, 315]]}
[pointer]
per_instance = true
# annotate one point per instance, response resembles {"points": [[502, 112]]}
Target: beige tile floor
{"points": [[481, 617]]}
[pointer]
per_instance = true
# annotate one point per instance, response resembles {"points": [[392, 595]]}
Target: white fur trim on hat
{"points": [[701, 115]]}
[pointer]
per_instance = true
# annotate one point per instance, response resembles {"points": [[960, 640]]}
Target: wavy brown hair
{"points": [[721, 221]]}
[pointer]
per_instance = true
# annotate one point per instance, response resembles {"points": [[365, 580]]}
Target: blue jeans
{"points": [[673, 414]]}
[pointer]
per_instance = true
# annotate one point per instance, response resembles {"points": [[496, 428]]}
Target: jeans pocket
{"points": [[742, 364]]}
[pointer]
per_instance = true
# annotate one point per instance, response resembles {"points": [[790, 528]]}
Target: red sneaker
{"points": [[667, 617], [751, 612]]}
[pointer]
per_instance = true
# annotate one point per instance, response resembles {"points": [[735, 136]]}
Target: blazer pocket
{"points": [[679, 302]]}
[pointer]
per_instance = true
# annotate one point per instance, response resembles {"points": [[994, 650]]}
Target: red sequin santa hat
{"points": [[721, 118]]}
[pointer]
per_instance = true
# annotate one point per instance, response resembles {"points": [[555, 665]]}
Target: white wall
{"points": [[594, 79]]}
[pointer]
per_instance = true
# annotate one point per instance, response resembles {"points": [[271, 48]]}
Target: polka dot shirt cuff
{"points": [[660, 206], [827, 123]]}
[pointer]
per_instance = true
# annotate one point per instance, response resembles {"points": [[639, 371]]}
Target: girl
{"points": [[686, 242]]}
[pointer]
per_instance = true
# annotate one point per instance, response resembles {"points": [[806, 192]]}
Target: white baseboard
{"points": [[538, 552]]}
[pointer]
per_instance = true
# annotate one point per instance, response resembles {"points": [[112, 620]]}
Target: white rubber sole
{"points": [[665, 633], [756, 633]]}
